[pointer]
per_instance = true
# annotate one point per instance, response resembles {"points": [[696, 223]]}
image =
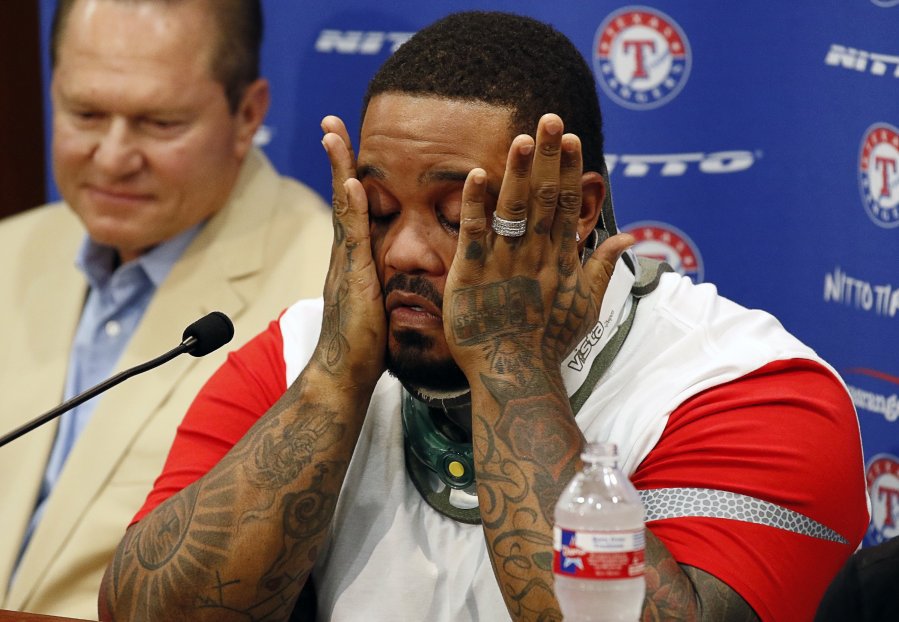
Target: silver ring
{"points": [[509, 228]]}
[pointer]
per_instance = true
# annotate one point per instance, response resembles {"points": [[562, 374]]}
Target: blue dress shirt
{"points": [[117, 299]]}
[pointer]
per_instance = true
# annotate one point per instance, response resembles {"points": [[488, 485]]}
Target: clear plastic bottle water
{"points": [[599, 542]]}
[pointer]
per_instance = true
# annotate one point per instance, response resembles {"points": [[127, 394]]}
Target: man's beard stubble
{"points": [[411, 359]]}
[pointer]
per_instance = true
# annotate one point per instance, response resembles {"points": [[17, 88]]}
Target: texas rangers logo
{"points": [[641, 57], [878, 174], [659, 240], [571, 558], [882, 476]]}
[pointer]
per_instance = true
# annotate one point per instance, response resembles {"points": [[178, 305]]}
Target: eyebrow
{"points": [[369, 170], [456, 176], [74, 98]]}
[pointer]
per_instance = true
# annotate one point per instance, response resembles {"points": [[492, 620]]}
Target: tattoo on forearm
{"points": [[526, 577], [154, 547], [524, 458], [307, 513], [524, 427], [281, 454], [175, 545], [305, 517], [190, 540]]}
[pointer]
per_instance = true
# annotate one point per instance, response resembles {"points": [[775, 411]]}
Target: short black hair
{"points": [[235, 60], [501, 59]]}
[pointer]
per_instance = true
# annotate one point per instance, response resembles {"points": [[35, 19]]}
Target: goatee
{"points": [[410, 360]]}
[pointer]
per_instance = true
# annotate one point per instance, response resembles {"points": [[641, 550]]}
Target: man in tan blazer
{"points": [[155, 105]]}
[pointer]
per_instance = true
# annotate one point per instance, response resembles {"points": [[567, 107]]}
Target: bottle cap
{"points": [[603, 451]]}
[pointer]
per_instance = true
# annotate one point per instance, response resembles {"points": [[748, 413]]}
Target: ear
{"points": [[250, 113], [593, 192]]}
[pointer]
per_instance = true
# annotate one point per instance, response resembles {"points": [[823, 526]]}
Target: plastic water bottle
{"points": [[599, 542]]}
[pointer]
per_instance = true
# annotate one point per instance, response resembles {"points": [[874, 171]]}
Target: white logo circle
{"points": [[878, 174], [641, 57], [665, 242], [882, 476]]}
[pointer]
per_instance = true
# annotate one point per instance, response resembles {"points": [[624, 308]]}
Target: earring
{"points": [[577, 236]]}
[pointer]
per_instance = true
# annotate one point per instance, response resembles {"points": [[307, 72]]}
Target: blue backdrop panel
{"points": [[754, 145]]}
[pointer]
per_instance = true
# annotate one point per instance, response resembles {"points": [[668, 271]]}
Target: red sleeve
{"points": [[232, 400], [786, 434]]}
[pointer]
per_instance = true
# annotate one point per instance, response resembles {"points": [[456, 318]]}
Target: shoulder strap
{"points": [[648, 276], [649, 273]]}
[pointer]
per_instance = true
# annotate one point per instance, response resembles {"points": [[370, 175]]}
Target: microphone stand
{"points": [[185, 346]]}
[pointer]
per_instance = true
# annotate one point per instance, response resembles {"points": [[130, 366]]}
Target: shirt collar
{"points": [[98, 261]]}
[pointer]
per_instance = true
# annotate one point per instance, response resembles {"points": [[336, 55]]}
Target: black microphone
{"points": [[206, 335]]}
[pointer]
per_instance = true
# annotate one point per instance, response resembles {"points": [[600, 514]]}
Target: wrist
{"points": [[344, 381], [530, 378]]}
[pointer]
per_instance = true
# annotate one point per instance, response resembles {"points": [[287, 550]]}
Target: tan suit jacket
{"points": [[269, 246]]}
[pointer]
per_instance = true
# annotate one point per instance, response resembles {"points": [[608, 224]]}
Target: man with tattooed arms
{"points": [[476, 262]]}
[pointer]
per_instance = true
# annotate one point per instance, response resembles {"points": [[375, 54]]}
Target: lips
{"points": [[412, 312], [413, 303], [114, 195]]}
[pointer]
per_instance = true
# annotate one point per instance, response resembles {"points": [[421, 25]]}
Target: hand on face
{"points": [[354, 329], [513, 305]]}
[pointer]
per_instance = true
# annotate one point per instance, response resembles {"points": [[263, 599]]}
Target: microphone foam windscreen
{"points": [[211, 331]]}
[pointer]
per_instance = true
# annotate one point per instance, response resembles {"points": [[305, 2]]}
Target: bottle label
{"points": [[599, 554]]}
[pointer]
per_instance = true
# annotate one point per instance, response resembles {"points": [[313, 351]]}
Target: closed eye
{"points": [[381, 219], [161, 126], [451, 227], [87, 117]]}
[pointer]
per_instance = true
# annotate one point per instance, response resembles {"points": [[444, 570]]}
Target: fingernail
{"points": [[553, 126], [525, 149]]}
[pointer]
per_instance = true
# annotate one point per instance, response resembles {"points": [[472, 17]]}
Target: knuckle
{"points": [[570, 160], [474, 227], [354, 240], [517, 209], [568, 264], [570, 200], [547, 193], [521, 171], [339, 205], [550, 150]]}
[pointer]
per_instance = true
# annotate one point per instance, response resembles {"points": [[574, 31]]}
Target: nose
{"points": [[116, 153], [416, 246]]}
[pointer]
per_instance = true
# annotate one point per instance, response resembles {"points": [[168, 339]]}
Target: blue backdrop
{"points": [[754, 145]]}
